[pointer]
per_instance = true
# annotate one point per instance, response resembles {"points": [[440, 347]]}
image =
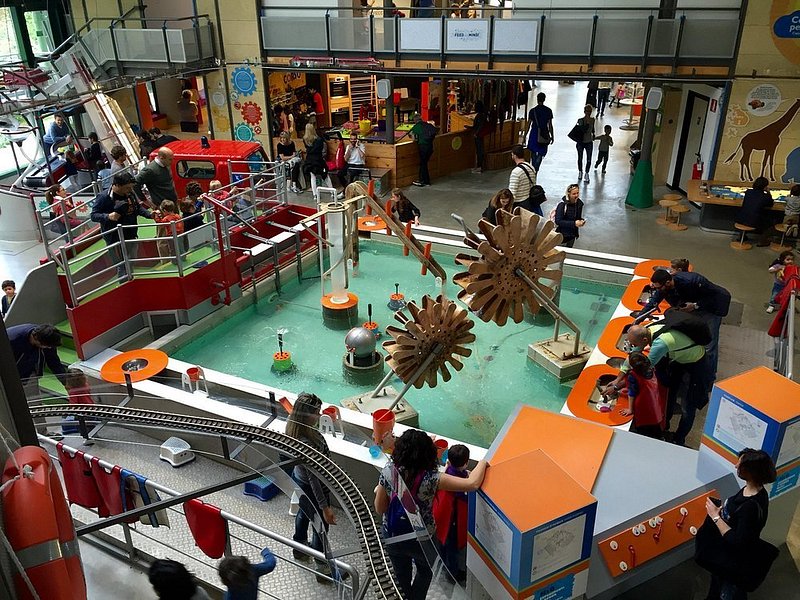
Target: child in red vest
{"points": [[450, 514], [167, 214], [77, 385], [648, 398]]}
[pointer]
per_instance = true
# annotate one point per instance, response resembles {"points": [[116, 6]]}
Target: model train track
{"points": [[337, 480]]}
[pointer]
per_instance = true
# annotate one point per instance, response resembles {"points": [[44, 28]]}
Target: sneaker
{"points": [[604, 171], [300, 555], [586, 177], [580, 175], [419, 184], [476, 170], [770, 309]]}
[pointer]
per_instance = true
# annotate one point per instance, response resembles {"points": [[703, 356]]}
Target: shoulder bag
{"points": [[542, 136], [576, 133]]}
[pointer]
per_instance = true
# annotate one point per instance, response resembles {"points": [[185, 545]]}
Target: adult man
{"points": [[522, 179], [674, 356], [57, 133], [355, 157], [119, 207], [157, 176], [692, 292], [424, 134], [603, 92], [33, 346], [317, 106], [540, 121]]}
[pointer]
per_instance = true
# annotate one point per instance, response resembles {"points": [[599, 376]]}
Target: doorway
{"points": [[691, 141]]}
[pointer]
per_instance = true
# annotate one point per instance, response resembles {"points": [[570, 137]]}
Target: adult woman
{"points": [[315, 165], [503, 199], [187, 112], [405, 209], [288, 153], [741, 518], [752, 214], [586, 122], [285, 119], [569, 215], [413, 467], [302, 425]]}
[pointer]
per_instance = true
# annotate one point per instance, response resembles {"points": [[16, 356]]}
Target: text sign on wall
{"points": [[468, 35], [516, 36]]}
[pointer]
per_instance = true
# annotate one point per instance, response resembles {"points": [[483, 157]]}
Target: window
{"points": [[9, 52], [195, 169]]}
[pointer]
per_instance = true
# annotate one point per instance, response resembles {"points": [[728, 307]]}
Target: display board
{"points": [[420, 35]]}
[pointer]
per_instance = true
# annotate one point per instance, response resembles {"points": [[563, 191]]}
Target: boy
{"points": [[450, 514], [605, 143], [9, 293], [241, 576]]}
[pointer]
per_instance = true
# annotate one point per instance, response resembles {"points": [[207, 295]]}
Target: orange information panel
{"points": [[661, 533]]}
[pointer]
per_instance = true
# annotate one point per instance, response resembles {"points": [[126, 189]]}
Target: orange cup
{"points": [[382, 425]]}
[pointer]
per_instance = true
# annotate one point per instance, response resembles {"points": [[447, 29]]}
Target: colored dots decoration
{"points": [[244, 81]]}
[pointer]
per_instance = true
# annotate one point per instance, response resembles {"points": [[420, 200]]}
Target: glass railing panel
{"points": [[710, 37], [140, 45], [420, 35], [621, 37], [567, 37], [467, 36], [299, 33], [349, 33], [516, 36], [664, 37], [177, 40]]}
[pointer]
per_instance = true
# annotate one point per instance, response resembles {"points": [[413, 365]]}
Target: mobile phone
{"points": [[716, 501]]}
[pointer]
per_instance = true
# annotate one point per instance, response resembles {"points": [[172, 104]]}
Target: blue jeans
{"points": [[777, 287], [696, 397], [304, 517]]}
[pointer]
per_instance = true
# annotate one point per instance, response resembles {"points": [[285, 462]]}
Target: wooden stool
{"points": [[668, 205], [741, 244], [780, 247], [677, 225]]}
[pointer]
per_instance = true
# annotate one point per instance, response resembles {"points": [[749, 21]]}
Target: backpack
{"points": [[402, 509], [552, 215], [692, 326], [427, 133], [536, 194]]}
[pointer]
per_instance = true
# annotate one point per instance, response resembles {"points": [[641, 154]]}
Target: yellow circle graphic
{"points": [[456, 143]]}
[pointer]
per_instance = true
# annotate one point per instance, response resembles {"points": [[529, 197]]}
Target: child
{"points": [[241, 576], [679, 265], [647, 397], [192, 206], [165, 216], [71, 168], [605, 143], [405, 209], [104, 175], [791, 212], [77, 385], [450, 515], [231, 200], [54, 196], [784, 259], [9, 293]]}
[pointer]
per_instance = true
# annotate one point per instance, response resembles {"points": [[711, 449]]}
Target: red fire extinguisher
{"points": [[697, 168]]}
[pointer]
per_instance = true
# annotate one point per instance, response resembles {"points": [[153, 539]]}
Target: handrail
{"points": [[789, 369], [626, 8], [307, 550]]}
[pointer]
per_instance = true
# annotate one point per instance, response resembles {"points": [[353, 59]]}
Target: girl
{"points": [[192, 206], [59, 200], [503, 199], [404, 208], [648, 398], [77, 385], [167, 214], [569, 216], [776, 268]]}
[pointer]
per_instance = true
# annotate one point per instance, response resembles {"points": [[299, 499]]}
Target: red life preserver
{"points": [[39, 527]]}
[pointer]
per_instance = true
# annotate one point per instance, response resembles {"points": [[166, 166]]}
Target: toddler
{"points": [[167, 214], [784, 259], [450, 515], [77, 385], [647, 397], [605, 143], [9, 293], [678, 265], [192, 206], [240, 576], [54, 196]]}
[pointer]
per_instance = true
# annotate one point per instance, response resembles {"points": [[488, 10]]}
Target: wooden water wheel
{"points": [[491, 286], [440, 327]]}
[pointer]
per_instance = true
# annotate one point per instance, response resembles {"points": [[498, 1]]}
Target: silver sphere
{"points": [[361, 341]]}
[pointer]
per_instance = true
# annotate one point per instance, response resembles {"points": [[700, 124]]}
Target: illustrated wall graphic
{"points": [[792, 173], [766, 139]]}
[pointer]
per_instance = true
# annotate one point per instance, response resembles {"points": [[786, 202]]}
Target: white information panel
{"points": [[516, 36], [558, 547], [420, 35], [737, 428], [790, 447], [493, 534], [467, 35]]}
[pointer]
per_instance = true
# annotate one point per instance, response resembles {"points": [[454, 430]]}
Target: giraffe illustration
{"points": [[767, 139]]}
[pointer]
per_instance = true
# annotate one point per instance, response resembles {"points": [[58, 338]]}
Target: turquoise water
{"points": [[471, 407]]}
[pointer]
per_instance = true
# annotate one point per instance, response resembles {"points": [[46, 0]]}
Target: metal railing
{"points": [[644, 35], [131, 533], [784, 345]]}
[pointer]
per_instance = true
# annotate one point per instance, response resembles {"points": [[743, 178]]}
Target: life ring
{"points": [[39, 527]]}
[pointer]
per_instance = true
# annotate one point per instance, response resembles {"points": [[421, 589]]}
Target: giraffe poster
{"points": [[761, 136]]}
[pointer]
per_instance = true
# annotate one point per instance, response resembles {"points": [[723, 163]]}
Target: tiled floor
{"points": [[611, 227]]}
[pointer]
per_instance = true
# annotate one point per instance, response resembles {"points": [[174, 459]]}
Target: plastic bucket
{"points": [[441, 446], [382, 424], [194, 373], [332, 412]]}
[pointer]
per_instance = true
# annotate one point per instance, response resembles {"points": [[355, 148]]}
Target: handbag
{"points": [[747, 570], [542, 137], [576, 133]]}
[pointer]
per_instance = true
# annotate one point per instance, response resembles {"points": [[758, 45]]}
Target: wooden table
{"points": [[717, 215]]}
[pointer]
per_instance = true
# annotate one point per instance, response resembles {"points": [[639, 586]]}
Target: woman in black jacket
{"points": [[503, 199], [315, 165], [752, 213], [569, 215], [741, 517], [404, 208]]}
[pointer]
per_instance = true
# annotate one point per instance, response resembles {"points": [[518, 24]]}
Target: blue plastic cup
{"points": [[374, 451]]}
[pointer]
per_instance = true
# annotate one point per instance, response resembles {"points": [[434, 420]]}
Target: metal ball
{"points": [[361, 341]]}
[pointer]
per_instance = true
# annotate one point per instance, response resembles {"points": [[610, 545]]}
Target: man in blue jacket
{"points": [[692, 292], [57, 133], [33, 346], [119, 207]]}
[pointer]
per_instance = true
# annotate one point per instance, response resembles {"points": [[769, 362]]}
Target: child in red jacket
{"points": [[77, 385], [450, 514]]}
